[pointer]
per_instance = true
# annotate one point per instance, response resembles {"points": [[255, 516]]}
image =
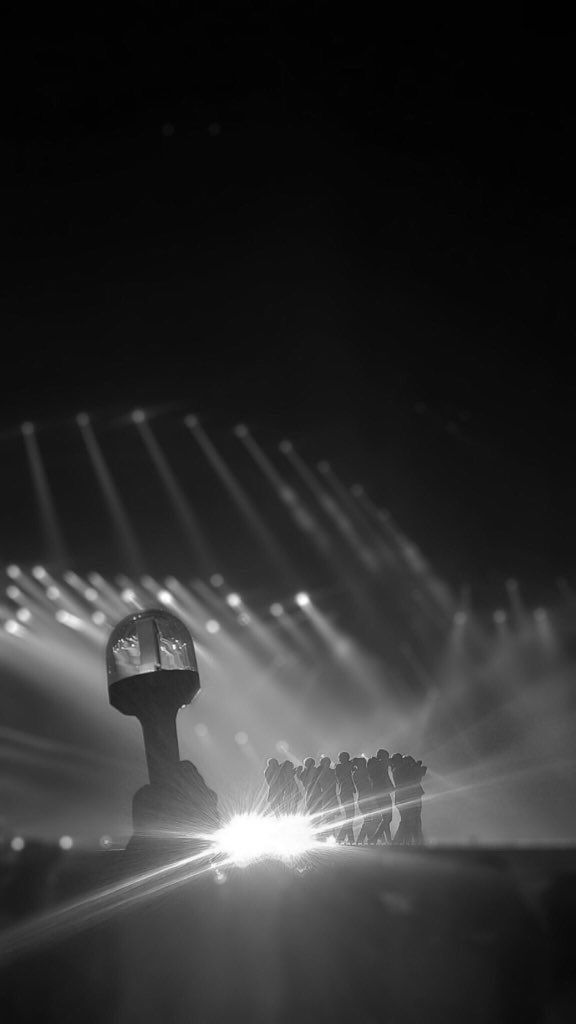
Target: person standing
{"points": [[329, 807], [363, 785], [383, 791], [346, 794]]}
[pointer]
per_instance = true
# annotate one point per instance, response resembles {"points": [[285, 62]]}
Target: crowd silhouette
{"points": [[356, 791]]}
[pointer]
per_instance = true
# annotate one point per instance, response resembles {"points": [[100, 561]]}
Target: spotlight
{"points": [[252, 837], [17, 844], [512, 584], [128, 595], [302, 600], [53, 593], [234, 600], [212, 626], [82, 419], [39, 572], [13, 627], [13, 593], [91, 594], [324, 467], [27, 428], [357, 490], [191, 421], [276, 610], [217, 580], [244, 619], [65, 842], [72, 621], [105, 842], [540, 614], [98, 618], [286, 447], [201, 730], [241, 430], [241, 738], [13, 571], [460, 619], [23, 615], [138, 416], [500, 617], [165, 597]]}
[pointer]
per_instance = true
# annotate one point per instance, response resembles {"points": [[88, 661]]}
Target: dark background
{"points": [[354, 234]]}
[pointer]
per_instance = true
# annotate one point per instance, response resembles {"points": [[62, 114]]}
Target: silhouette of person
{"points": [[308, 776], [413, 773], [405, 796], [346, 793], [290, 793], [329, 806], [363, 785], [382, 786], [272, 776], [419, 773]]}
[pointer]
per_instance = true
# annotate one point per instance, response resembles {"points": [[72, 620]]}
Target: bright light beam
{"points": [[251, 516], [180, 504], [114, 505], [49, 519]]}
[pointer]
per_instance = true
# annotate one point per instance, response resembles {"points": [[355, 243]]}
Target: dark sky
{"points": [[363, 241]]}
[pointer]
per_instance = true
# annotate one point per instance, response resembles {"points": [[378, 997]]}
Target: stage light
{"points": [[138, 416], [105, 842], [82, 419], [98, 618], [27, 428], [191, 421], [324, 467], [241, 738], [201, 730], [217, 580], [512, 584], [24, 615], [234, 600], [65, 842], [39, 572], [17, 844], [53, 593], [286, 447], [276, 610], [251, 837], [165, 597], [540, 614], [14, 593], [241, 430], [91, 594], [500, 617], [212, 626], [13, 627], [244, 619], [67, 619], [357, 490], [460, 619], [13, 571], [302, 600], [128, 595]]}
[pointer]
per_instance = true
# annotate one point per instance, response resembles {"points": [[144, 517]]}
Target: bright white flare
{"points": [[250, 837]]}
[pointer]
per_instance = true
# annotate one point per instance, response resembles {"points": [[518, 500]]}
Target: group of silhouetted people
{"points": [[357, 790]]}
